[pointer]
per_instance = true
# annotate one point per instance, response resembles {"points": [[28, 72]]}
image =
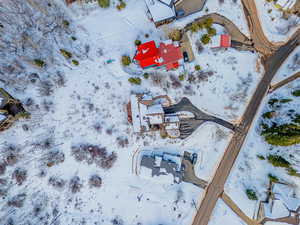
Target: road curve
{"points": [[216, 186], [261, 42]]}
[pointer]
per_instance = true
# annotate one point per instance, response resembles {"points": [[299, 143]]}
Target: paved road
{"points": [[261, 43], [216, 186], [284, 82]]}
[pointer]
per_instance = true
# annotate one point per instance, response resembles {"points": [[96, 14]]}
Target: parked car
{"points": [[185, 57], [194, 158]]}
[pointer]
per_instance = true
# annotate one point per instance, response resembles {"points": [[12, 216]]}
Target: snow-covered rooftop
{"points": [[159, 10]]}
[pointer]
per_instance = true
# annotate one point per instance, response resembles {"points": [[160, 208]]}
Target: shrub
{"points": [[108, 162], [75, 184], [211, 31], [197, 67], [56, 182], [135, 80], [272, 101], [55, 157], [20, 175], [292, 172], [75, 62], [104, 3], [251, 194], [137, 42], [95, 181], [273, 178], [261, 157], [146, 75], [125, 60], [73, 38], [39, 62], [285, 100], [66, 23], [268, 115], [65, 53], [11, 159], [175, 35], [296, 93], [17, 201], [181, 77], [282, 135], [208, 23], [194, 27], [205, 39], [121, 5], [122, 142], [278, 161]]}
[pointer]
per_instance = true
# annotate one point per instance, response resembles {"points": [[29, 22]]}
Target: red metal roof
{"points": [[167, 54], [225, 41], [147, 54], [170, 54]]}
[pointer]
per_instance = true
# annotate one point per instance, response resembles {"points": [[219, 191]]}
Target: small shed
{"points": [[220, 41]]}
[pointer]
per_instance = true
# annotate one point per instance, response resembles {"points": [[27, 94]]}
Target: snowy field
{"points": [[89, 107], [276, 28]]}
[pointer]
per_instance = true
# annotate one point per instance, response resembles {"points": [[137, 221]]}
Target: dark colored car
{"points": [[194, 158], [185, 57]]}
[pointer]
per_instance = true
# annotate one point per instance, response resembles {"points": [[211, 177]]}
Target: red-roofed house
{"points": [[167, 55]]}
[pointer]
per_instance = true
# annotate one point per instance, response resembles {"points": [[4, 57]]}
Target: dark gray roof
{"points": [[169, 166]]}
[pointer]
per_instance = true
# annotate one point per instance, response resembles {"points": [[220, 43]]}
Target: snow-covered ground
{"points": [[276, 27], [290, 67], [90, 107], [250, 172]]}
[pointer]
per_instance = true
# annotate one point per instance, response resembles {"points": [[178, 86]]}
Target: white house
{"points": [[285, 4], [147, 114], [161, 10]]}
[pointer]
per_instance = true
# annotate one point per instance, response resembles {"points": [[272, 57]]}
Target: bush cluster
{"points": [[205, 39], [282, 135], [39, 62], [94, 154], [251, 194], [56, 182], [95, 181], [296, 93], [104, 3], [135, 80], [20, 175], [75, 184], [66, 53], [278, 161], [125, 60], [121, 5], [137, 42]]}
